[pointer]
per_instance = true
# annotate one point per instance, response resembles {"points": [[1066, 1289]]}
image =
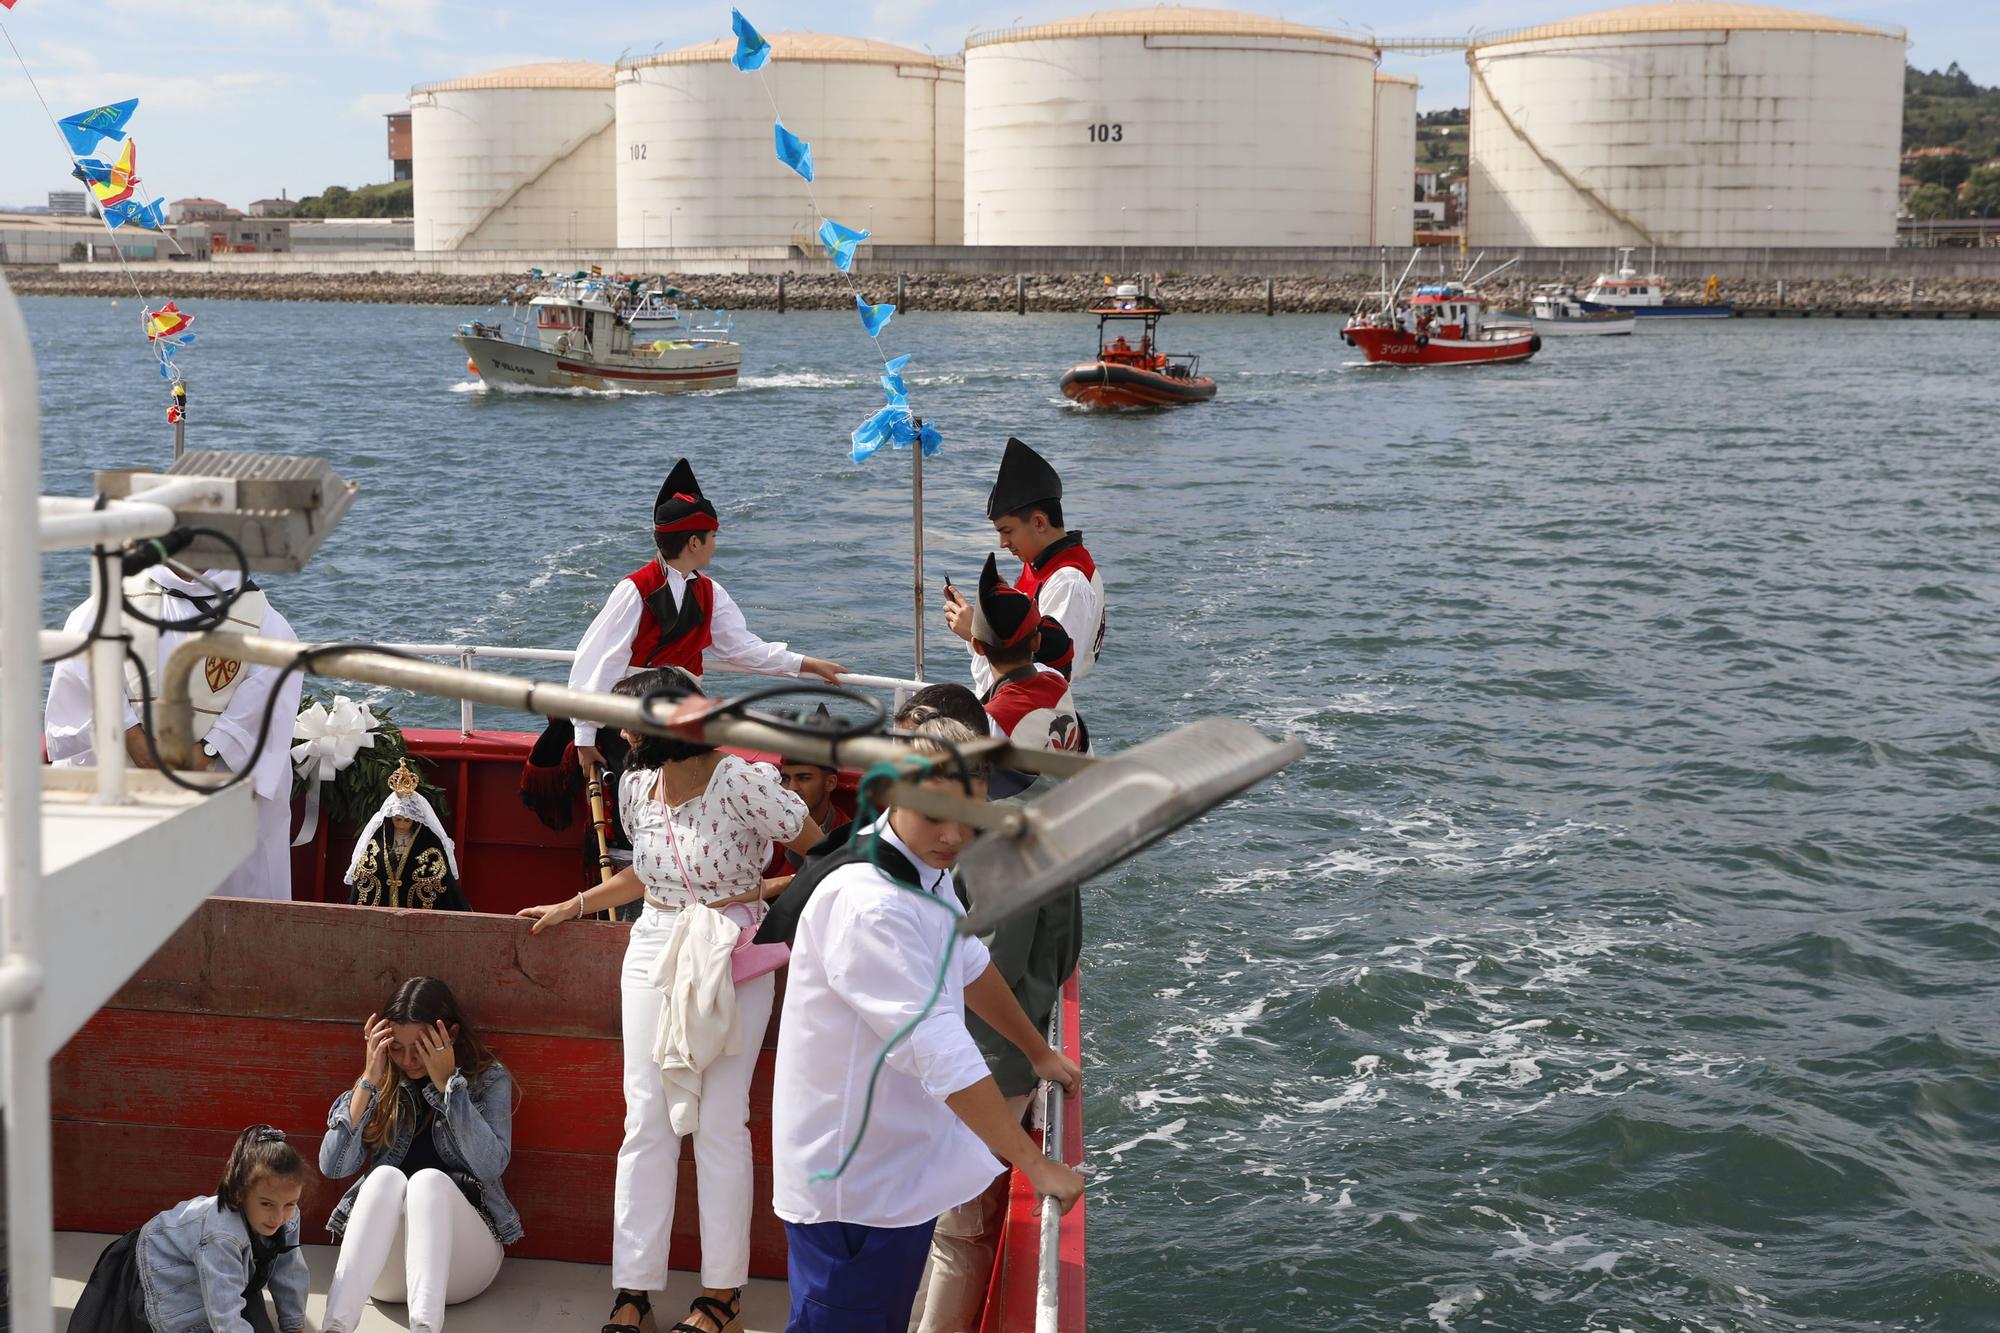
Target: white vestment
{"points": [[267, 872]]}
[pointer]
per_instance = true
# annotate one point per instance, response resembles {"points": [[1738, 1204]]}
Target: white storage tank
{"points": [[696, 164], [1700, 123], [515, 159], [1169, 126], [1395, 159]]}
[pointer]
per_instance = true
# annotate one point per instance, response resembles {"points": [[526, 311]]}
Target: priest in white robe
{"points": [[229, 707]]}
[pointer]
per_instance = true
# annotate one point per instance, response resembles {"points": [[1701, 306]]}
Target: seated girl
{"points": [[430, 1124], [206, 1263]]}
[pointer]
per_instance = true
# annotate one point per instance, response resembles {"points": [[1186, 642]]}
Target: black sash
{"points": [[781, 923]]}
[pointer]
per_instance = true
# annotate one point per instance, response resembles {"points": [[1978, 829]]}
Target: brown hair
{"points": [[425, 1001], [260, 1151], [652, 751]]}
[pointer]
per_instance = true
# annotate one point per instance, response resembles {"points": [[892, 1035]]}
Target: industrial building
{"points": [[1170, 126], [1698, 123], [515, 159], [694, 151]]}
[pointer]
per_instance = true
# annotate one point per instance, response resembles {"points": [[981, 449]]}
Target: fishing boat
{"points": [[586, 331], [1558, 312], [1629, 292], [1129, 373], [1444, 324]]}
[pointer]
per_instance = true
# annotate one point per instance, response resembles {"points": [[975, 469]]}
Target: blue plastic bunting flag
{"points": [[840, 242], [150, 216], [895, 367], [751, 48], [895, 390], [793, 151], [86, 129], [91, 170], [931, 439], [874, 318], [873, 433]]}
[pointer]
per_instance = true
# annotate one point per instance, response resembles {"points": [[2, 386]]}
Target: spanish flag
{"points": [[166, 322]]}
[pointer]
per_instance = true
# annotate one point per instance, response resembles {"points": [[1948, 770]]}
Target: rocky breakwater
{"points": [[1329, 294]]}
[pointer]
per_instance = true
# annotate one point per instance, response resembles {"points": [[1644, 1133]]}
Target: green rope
{"points": [[865, 808]]}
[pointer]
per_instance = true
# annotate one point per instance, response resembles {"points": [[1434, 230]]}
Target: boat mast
{"points": [[917, 542]]}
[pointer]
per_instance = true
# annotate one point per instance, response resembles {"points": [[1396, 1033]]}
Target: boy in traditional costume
{"points": [[667, 613], [1028, 703], [229, 704], [404, 858], [1057, 570]]}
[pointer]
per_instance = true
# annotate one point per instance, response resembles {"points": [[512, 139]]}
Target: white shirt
{"points": [[1067, 597], [66, 721], [864, 961], [604, 657]]}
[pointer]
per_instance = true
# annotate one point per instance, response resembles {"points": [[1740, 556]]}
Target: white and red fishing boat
{"points": [[587, 331], [1444, 324]]}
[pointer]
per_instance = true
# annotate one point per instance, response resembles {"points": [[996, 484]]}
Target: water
{"points": [[1622, 955]]}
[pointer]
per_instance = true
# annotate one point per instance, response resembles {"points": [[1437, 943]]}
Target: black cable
{"points": [[216, 615], [103, 558]]}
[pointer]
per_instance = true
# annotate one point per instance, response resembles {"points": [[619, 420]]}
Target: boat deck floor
{"points": [[540, 1294]]}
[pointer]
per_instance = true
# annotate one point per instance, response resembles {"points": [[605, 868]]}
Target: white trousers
{"points": [[951, 1297], [410, 1238], [649, 1158], [267, 871]]}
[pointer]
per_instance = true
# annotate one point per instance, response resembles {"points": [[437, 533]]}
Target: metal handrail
{"points": [[1048, 1262], [466, 653]]}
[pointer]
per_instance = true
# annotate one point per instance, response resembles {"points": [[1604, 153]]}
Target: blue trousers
{"points": [[849, 1278]]}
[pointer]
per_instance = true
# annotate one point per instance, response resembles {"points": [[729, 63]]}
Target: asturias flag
{"points": [[86, 129]]}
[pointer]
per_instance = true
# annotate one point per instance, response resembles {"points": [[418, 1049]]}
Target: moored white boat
{"points": [[1644, 295], [1558, 312]]}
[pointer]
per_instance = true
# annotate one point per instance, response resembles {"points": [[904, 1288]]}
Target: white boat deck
{"points": [[540, 1294]]}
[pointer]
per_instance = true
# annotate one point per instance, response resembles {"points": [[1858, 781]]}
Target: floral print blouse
{"points": [[724, 835]]}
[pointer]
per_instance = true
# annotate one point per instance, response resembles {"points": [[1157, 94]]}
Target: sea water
{"points": [[1624, 953]]}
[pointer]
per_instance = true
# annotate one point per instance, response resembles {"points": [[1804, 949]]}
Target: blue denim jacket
{"points": [[194, 1265], [474, 1133]]}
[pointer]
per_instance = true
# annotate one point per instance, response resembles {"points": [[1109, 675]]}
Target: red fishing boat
{"points": [[1129, 373], [1442, 325]]}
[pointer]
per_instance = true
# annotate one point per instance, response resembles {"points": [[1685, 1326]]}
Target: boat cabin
{"points": [[1627, 287], [1447, 310], [1128, 335]]}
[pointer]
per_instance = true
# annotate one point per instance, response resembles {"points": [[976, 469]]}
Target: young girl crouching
{"points": [[430, 1124], [206, 1263]]}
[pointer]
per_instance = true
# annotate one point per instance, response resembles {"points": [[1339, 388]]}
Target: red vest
{"points": [[1035, 710], [670, 637], [1070, 553]]}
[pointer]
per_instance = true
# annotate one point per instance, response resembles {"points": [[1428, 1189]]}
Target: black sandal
{"points": [[727, 1318], [639, 1301]]}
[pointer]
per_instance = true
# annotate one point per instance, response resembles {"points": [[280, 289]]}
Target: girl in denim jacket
{"points": [[206, 1263], [430, 1124]]}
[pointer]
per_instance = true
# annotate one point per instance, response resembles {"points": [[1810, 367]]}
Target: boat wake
{"points": [[479, 386]]}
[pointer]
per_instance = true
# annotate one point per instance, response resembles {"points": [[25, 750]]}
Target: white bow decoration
{"points": [[328, 740]]}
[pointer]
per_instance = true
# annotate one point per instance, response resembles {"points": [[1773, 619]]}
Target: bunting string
{"points": [[116, 185], [895, 423]]}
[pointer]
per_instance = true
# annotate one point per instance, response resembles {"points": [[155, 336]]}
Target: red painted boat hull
{"points": [[251, 1013], [1107, 384], [1398, 348]]}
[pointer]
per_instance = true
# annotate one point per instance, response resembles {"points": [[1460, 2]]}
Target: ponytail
{"points": [[260, 1151]]}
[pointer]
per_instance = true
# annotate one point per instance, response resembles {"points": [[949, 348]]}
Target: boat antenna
{"points": [[1389, 294]]}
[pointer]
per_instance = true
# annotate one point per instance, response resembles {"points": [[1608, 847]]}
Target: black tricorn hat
{"points": [[680, 507], [1004, 617], [1025, 477]]}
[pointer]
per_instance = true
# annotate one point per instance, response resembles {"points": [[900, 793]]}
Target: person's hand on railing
{"points": [[1053, 1180], [1060, 1070], [830, 672]]}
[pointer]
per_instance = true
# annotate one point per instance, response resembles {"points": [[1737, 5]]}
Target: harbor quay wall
{"points": [[1050, 278]]}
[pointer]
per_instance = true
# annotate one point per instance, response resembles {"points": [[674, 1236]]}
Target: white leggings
{"points": [[414, 1239]]}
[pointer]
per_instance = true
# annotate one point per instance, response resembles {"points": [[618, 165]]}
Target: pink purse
{"points": [[748, 959]]}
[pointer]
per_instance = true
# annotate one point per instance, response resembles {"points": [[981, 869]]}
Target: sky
{"points": [[244, 99]]}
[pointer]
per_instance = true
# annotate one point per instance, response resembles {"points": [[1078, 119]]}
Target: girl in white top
{"points": [[701, 823]]}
